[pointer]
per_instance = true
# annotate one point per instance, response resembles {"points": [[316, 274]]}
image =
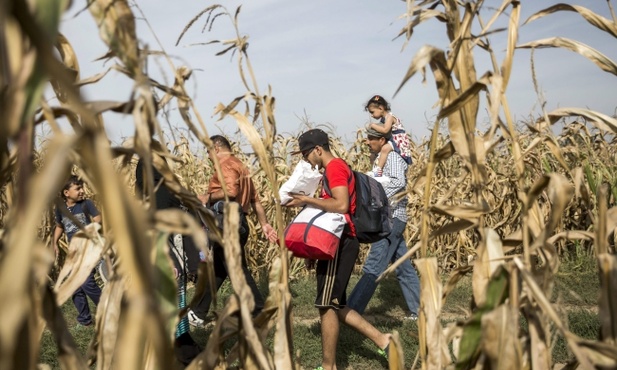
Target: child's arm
{"points": [[54, 240], [383, 157], [386, 127]]}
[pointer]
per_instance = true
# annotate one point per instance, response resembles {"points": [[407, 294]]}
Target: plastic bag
{"points": [[304, 180]]}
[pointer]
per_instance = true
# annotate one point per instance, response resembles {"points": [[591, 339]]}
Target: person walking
{"points": [[393, 247], [240, 189], [85, 212], [182, 251], [333, 275]]}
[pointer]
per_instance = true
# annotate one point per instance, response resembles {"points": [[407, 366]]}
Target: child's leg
{"points": [[383, 157]]}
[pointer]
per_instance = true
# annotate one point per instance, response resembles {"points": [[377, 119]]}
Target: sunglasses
{"points": [[306, 153]]}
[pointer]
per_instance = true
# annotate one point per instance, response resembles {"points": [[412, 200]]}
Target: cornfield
{"points": [[503, 205]]}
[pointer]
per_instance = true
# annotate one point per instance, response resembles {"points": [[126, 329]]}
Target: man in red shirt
{"points": [[333, 275]]}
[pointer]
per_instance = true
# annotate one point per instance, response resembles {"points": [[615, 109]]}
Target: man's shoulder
{"points": [[232, 162], [337, 165], [395, 157]]}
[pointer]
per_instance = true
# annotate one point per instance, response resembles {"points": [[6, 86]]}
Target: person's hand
{"points": [[270, 233], [309, 264], [297, 200]]}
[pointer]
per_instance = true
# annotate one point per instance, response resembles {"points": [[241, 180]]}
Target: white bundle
{"points": [[303, 180]]}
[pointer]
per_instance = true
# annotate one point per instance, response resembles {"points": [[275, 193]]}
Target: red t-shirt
{"points": [[338, 173]]}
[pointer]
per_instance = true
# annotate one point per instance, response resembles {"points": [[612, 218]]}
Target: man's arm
{"points": [[267, 229], [339, 203]]}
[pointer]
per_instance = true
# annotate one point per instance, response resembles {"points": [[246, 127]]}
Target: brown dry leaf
{"points": [[455, 277], [453, 227], [213, 356], [433, 349], [560, 193], [280, 300], [556, 151], [540, 353], [513, 26], [396, 358], [596, 20], [600, 120], [490, 257], [85, 250], [423, 57], [108, 322], [117, 29], [502, 348], [69, 59], [470, 212], [599, 59], [607, 303], [611, 219], [19, 240], [256, 349]]}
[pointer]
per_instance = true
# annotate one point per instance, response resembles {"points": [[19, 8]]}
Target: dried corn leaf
{"points": [[85, 250], [513, 26], [117, 29], [470, 212], [599, 59], [69, 59], [108, 322], [608, 301], [600, 120], [490, 257], [433, 349], [470, 344], [540, 354], [256, 349], [594, 19], [396, 359], [499, 343]]}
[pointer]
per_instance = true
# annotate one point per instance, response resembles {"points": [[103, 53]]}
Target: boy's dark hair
{"points": [[73, 180], [220, 141], [379, 101]]}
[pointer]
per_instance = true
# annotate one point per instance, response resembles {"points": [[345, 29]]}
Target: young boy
{"points": [[85, 212]]}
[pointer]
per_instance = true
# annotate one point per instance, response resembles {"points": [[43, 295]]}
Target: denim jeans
{"points": [[88, 289], [381, 254]]}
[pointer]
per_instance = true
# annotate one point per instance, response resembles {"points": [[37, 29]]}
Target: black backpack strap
{"points": [[325, 181]]}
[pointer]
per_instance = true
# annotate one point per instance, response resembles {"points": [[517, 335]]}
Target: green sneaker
{"points": [[384, 352], [319, 368]]}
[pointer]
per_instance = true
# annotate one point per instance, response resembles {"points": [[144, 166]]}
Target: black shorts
{"points": [[333, 275]]}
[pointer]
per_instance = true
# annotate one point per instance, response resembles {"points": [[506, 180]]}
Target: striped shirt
{"points": [[396, 170]]}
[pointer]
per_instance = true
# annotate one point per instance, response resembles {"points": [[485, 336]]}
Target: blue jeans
{"points": [[381, 254], [90, 289]]}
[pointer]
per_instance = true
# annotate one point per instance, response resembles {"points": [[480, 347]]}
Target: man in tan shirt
{"points": [[240, 189]]}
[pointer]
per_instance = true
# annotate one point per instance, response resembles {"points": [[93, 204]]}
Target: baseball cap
{"points": [[374, 133], [311, 139]]}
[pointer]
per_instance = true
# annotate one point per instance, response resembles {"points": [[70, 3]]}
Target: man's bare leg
{"points": [[329, 337], [357, 322]]}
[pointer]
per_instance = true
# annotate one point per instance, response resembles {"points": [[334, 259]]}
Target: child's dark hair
{"points": [[379, 101], [73, 180]]}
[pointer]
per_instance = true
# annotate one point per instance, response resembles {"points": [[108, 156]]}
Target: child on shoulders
{"points": [[379, 110]]}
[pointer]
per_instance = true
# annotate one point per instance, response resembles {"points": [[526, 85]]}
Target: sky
{"points": [[324, 59]]}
